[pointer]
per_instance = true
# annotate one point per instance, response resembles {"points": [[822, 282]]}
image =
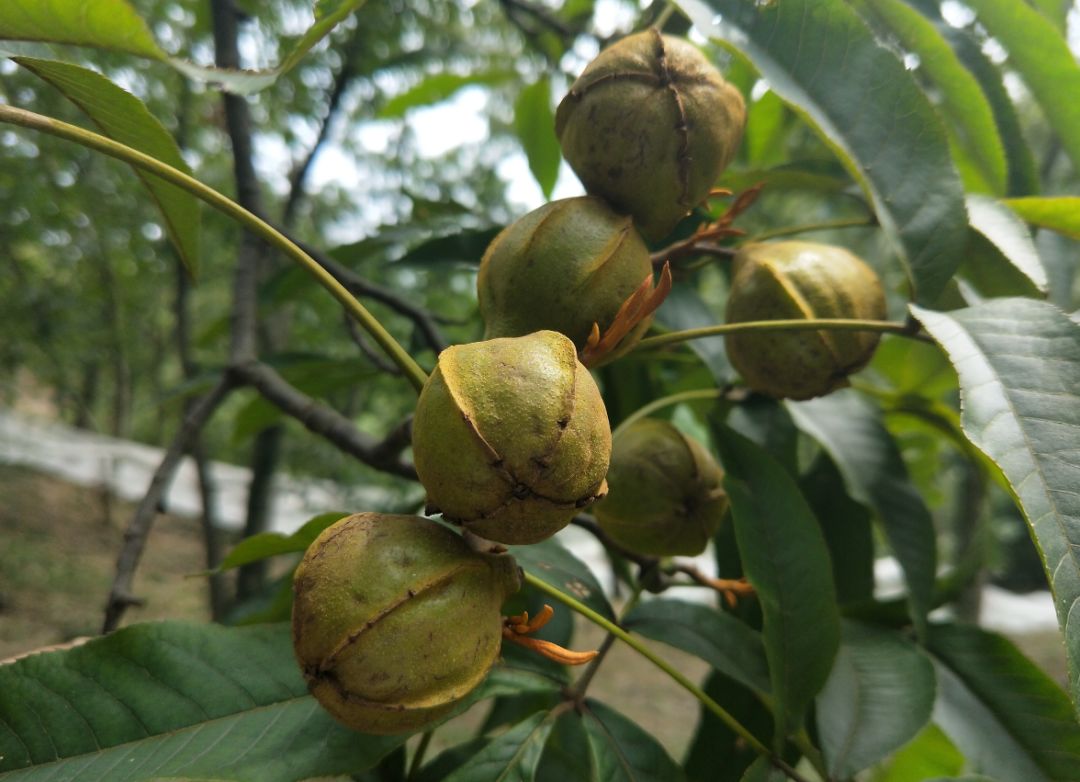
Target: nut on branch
{"points": [[395, 619], [563, 267], [665, 494], [511, 437], [649, 126], [801, 280]]}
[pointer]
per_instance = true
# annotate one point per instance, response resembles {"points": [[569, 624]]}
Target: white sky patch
{"points": [[273, 161], [375, 137], [450, 124], [995, 51], [524, 193], [1072, 28], [333, 166], [956, 14], [696, 36], [613, 16]]}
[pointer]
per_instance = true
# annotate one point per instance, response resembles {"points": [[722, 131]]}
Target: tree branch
{"points": [[513, 7], [322, 420], [298, 176], [358, 286], [120, 595]]}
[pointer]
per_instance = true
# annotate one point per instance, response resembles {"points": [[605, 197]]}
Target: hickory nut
{"points": [[563, 267], [649, 125], [664, 491], [511, 437], [792, 280], [395, 620]]}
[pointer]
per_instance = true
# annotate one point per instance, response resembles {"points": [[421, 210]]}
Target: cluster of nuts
{"points": [[397, 618]]}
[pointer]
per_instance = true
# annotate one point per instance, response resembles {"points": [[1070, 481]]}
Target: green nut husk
{"points": [[511, 437], [793, 280], [649, 125], [395, 619], [563, 267], [665, 495]]}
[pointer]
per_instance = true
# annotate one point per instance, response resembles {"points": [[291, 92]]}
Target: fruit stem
{"points": [[222, 203], [612, 628], [418, 754], [826, 225], [796, 324], [667, 401]]}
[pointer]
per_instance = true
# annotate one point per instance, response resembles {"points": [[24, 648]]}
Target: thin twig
{"points": [[298, 176], [380, 361], [120, 595], [794, 324], [540, 14], [357, 285], [826, 225]]}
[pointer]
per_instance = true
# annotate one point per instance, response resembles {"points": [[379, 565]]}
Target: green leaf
{"points": [[716, 753], [117, 26], [435, 89], [785, 558], [1009, 235], [108, 24], [988, 274], [438, 769], [622, 751], [878, 697], [1019, 367], [123, 117], [172, 699], [510, 757], [551, 562], [1007, 716], [1056, 11], [768, 423], [271, 544], [848, 531], [1058, 213], [1023, 173], [728, 645], [328, 13], [1039, 52], [765, 128], [929, 754], [510, 678], [819, 56], [459, 247], [762, 770], [534, 123], [852, 433], [962, 100], [567, 756]]}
